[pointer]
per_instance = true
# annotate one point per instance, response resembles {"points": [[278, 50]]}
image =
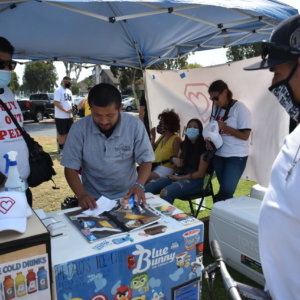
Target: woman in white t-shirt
{"points": [[234, 121]]}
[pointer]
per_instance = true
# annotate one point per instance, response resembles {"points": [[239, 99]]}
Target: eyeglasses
{"points": [[11, 64]]}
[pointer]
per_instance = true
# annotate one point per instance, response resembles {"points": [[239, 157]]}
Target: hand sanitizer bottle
{"points": [[14, 182]]}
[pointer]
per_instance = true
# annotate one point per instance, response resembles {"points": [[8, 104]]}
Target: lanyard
{"points": [[218, 111]]}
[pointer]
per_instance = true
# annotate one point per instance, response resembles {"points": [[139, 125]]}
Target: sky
{"points": [[218, 56], [204, 58]]}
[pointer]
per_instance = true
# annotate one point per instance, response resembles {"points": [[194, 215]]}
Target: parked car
{"points": [[129, 104], [37, 106], [25, 107]]}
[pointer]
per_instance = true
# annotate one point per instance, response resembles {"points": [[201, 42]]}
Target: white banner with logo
{"points": [[185, 91]]}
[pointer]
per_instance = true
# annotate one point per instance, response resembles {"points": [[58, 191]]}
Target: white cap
{"points": [[211, 133], [13, 211]]}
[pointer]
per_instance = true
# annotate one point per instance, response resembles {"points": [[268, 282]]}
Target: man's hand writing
{"points": [[87, 201]]}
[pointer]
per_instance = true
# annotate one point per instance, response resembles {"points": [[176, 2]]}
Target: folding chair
{"points": [[206, 192]]}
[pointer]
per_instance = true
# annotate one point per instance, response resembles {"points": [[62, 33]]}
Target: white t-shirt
{"points": [[239, 117], [10, 137], [64, 96], [279, 223]]}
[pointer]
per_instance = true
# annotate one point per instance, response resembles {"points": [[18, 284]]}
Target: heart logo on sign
{"points": [[6, 203], [196, 94]]}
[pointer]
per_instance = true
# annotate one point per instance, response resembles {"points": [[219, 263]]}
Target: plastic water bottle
{"points": [[31, 282], [42, 278], [14, 182], [20, 285]]}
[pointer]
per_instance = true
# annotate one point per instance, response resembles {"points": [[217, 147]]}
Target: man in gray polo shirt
{"points": [[106, 146]]}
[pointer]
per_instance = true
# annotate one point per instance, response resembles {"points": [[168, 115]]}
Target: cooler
{"points": [[258, 192], [234, 224]]}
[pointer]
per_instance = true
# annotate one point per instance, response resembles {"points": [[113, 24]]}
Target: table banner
{"points": [[167, 267]]}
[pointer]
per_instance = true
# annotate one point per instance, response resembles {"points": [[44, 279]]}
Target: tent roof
{"points": [[134, 33]]}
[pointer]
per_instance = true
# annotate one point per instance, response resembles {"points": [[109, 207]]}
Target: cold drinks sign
{"points": [[25, 277]]}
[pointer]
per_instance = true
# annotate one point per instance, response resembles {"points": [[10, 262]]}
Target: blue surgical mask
{"points": [[192, 133], [5, 77]]}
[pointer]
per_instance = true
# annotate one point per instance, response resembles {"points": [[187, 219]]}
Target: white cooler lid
{"points": [[242, 210]]}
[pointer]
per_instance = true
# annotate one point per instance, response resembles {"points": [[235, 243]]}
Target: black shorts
{"points": [[63, 125]]}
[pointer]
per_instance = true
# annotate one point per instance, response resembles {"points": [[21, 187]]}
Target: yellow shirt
{"points": [[164, 151], [87, 109]]}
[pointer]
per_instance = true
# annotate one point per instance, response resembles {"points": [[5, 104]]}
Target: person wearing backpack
{"points": [[10, 137]]}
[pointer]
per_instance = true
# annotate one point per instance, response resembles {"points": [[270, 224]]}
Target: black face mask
{"points": [[284, 94], [160, 128], [67, 85]]}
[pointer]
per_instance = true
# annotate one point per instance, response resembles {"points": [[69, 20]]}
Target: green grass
{"points": [[244, 188]]}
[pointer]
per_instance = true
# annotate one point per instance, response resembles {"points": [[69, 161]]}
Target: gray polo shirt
{"points": [[108, 164]]}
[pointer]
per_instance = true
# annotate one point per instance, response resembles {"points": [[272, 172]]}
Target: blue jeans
{"points": [[229, 171], [169, 190]]}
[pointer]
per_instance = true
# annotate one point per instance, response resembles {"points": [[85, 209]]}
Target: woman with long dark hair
{"points": [[234, 122], [191, 167]]}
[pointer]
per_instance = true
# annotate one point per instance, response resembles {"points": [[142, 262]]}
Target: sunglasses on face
{"points": [[10, 64], [214, 98]]}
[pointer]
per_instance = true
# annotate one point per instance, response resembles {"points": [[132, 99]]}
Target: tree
{"points": [[127, 76], [192, 66], [14, 83], [73, 68], [75, 87], [39, 77], [171, 64], [132, 77], [242, 52], [89, 81]]}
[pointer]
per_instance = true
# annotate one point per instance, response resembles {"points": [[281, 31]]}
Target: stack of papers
{"points": [[103, 204]]}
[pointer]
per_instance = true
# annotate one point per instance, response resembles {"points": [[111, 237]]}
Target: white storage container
{"points": [[258, 192], [234, 224]]}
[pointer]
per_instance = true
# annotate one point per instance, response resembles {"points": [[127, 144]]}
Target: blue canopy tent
{"points": [[133, 33]]}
